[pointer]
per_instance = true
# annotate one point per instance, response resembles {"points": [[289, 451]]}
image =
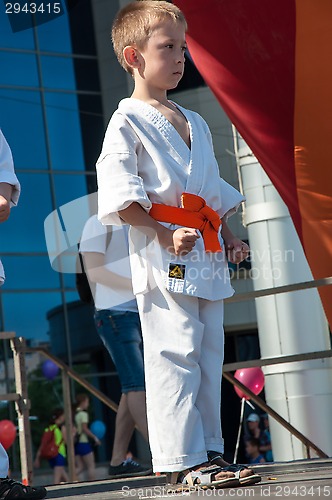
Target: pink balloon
{"points": [[7, 433], [252, 378]]}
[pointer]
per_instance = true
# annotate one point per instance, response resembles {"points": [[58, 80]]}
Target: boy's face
{"points": [[162, 59]]}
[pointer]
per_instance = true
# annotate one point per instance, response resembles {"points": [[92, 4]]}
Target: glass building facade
{"points": [[51, 116]]}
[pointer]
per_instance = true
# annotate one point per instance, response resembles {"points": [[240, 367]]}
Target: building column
{"points": [[288, 323]]}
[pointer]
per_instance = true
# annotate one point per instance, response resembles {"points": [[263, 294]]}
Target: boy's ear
{"points": [[131, 56]]}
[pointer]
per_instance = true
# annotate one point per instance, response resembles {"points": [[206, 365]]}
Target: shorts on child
{"points": [[58, 461], [121, 334], [83, 449]]}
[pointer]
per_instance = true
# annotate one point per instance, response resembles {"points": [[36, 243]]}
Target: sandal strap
{"points": [[214, 455], [190, 476], [235, 467]]}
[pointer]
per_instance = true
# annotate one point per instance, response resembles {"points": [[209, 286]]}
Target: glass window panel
{"points": [[83, 333], [72, 297], [48, 34], [29, 271], [82, 26], [58, 72], [26, 313], [87, 74], [24, 231], [64, 128], [70, 187], [18, 69], [69, 282], [93, 128], [20, 39], [83, 336], [22, 124], [73, 209]]}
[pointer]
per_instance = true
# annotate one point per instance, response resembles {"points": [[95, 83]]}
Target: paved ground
{"points": [[306, 478]]}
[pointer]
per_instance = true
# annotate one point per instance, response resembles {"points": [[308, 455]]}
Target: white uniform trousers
{"points": [[183, 355], [4, 465]]}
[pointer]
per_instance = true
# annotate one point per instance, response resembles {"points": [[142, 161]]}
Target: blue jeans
{"points": [[121, 334]]}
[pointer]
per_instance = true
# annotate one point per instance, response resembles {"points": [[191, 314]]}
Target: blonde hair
{"points": [[134, 24]]}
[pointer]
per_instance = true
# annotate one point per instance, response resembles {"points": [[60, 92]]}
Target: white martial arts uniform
{"points": [[7, 175], [145, 160]]}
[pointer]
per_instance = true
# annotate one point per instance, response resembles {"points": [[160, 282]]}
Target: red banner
{"points": [[268, 64]]}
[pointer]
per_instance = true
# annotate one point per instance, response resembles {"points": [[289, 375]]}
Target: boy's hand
{"points": [[184, 240], [180, 241], [4, 209], [236, 250]]}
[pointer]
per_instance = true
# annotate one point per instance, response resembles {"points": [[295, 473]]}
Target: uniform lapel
{"points": [[196, 168], [153, 128]]}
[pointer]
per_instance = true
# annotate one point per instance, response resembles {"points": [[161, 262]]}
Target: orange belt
{"points": [[193, 213]]}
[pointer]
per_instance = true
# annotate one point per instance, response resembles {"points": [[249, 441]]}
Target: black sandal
{"points": [[254, 478], [13, 490], [201, 479]]}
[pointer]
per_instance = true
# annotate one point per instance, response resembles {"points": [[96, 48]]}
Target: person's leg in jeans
{"points": [[121, 335]]}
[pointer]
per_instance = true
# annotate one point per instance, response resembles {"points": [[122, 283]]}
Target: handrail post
{"points": [[22, 405], [69, 426]]}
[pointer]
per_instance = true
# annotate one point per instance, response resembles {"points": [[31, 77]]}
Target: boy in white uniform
{"points": [[9, 195], [158, 172]]}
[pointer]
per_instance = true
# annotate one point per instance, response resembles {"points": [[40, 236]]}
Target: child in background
{"points": [[59, 462], [265, 442], [83, 450], [252, 451]]}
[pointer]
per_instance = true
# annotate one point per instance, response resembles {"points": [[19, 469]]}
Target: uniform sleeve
{"points": [[231, 198], [7, 173], [94, 236], [119, 184]]}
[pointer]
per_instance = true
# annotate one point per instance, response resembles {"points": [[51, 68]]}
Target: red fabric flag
{"points": [[268, 63]]}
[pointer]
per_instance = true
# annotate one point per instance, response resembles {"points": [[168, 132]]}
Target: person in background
{"points": [[265, 442], [254, 430], [106, 259], [252, 451], [9, 195], [253, 427], [59, 462], [85, 459]]}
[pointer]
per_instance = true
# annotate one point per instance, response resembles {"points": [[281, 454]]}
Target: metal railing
{"points": [[22, 404]]}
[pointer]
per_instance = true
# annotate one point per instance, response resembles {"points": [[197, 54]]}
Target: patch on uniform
{"points": [[176, 275], [177, 271]]}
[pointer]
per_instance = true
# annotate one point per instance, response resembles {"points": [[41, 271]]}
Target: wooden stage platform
{"points": [[304, 478]]}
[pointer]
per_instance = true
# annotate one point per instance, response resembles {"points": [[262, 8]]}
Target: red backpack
{"points": [[48, 448]]}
